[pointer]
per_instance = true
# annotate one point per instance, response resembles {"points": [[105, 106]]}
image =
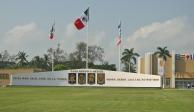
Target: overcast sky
{"points": [[146, 24]]}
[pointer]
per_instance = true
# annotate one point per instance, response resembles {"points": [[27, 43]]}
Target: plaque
{"points": [[91, 78], [81, 78], [100, 78], [72, 78]]}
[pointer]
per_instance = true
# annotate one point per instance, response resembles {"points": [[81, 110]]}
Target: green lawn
{"points": [[75, 99]]}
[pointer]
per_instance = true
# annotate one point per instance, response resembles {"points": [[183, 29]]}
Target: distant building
{"points": [[178, 70]]}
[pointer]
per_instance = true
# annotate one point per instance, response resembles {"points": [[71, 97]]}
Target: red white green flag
{"points": [[118, 41], [81, 22], [51, 36]]}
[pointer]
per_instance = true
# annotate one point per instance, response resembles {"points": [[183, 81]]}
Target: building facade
{"points": [[178, 70]]}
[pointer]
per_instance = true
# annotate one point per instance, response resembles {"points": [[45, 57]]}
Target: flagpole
{"points": [[80, 23], [52, 59], [119, 57], [53, 49], [120, 47], [87, 34]]}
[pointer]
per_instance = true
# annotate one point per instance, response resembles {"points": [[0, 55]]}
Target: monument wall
{"points": [[87, 77]]}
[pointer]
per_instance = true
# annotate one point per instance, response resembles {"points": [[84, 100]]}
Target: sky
{"points": [[146, 24]]}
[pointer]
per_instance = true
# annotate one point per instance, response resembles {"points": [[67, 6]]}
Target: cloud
{"points": [[72, 36], [70, 30], [97, 38], [25, 37], [175, 33], [18, 33]]}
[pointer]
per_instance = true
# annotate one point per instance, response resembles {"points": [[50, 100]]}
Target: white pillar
{"points": [[139, 65], [96, 78], [11, 80], [76, 78], [148, 63], [86, 78], [173, 70]]}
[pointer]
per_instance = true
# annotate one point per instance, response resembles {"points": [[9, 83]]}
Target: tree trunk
{"points": [[163, 77]]}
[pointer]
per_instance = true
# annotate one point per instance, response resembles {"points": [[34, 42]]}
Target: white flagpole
{"points": [[119, 57], [120, 47], [87, 45], [87, 34], [52, 59], [53, 48]]}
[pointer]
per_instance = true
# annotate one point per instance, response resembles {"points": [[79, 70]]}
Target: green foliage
{"points": [[40, 62], [75, 64], [87, 99], [75, 60], [162, 53], [59, 67], [129, 59], [22, 58], [104, 66], [132, 68], [6, 64]]}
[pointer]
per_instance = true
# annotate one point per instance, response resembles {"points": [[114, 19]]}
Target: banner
{"points": [[160, 66]]}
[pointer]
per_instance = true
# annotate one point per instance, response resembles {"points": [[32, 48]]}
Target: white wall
{"points": [[112, 79]]}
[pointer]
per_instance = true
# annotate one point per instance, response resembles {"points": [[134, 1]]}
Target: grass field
{"points": [[75, 99]]}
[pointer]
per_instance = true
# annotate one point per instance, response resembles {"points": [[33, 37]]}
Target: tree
{"points": [[74, 62], [47, 64], [104, 66], [37, 62], [163, 53], [95, 53], [128, 57], [41, 62], [58, 55], [80, 51], [12, 58], [21, 58], [132, 67], [4, 56], [7, 61]]}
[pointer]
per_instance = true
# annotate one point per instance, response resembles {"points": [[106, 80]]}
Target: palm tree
{"points": [[128, 56], [21, 56], [162, 53]]}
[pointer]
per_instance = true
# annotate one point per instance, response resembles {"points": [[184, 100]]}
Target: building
{"points": [[178, 70]]}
